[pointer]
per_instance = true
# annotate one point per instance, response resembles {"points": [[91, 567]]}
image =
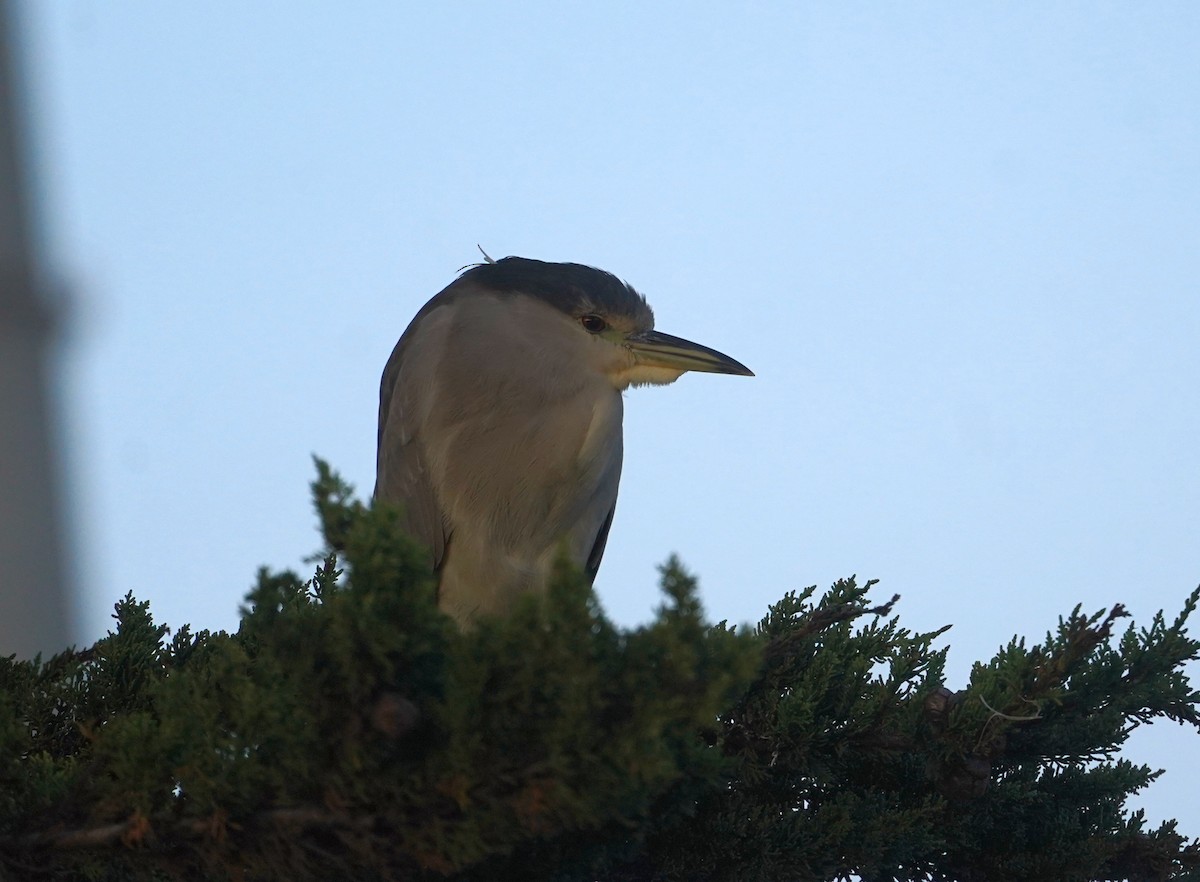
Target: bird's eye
{"points": [[593, 324]]}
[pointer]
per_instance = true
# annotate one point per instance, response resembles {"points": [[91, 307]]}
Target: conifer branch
{"points": [[348, 730]]}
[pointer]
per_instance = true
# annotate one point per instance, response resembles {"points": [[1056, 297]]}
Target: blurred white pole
{"points": [[34, 603]]}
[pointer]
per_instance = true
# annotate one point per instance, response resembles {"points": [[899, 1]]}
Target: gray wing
{"points": [[593, 560], [401, 472]]}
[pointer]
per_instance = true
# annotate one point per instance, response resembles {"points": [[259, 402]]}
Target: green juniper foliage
{"points": [[349, 731]]}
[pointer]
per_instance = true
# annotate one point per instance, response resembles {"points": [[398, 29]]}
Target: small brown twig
{"points": [[139, 830]]}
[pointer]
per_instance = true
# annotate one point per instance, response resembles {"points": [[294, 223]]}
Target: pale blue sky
{"points": [[959, 245]]}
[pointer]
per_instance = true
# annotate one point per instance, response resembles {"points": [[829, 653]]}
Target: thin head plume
{"points": [[487, 258]]}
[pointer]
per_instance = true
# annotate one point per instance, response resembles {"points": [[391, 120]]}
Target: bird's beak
{"points": [[656, 349]]}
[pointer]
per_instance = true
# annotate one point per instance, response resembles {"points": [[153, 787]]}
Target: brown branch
{"points": [[139, 830]]}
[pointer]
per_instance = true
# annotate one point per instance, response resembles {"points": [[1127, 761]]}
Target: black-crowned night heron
{"points": [[500, 422]]}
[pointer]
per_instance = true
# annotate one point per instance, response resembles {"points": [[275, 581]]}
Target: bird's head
{"points": [[604, 320]]}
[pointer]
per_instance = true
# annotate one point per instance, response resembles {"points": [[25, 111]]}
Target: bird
{"points": [[500, 423]]}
